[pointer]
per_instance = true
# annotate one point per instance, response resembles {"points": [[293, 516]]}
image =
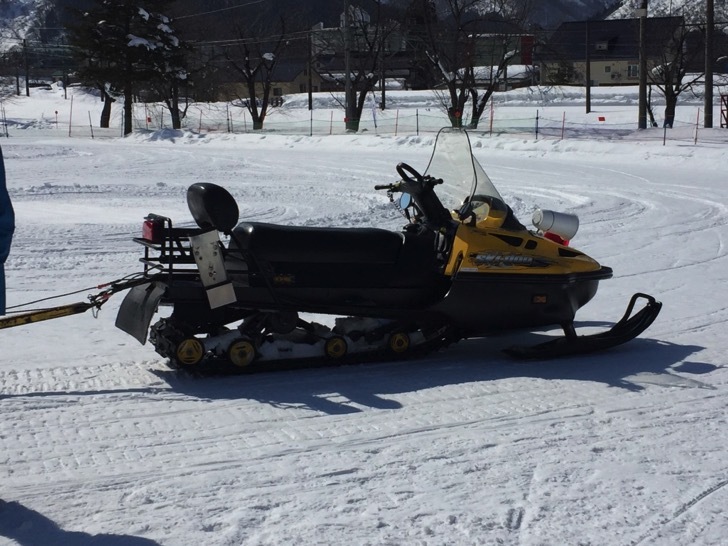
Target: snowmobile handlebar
{"points": [[412, 181], [390, 187], [421, 189]]}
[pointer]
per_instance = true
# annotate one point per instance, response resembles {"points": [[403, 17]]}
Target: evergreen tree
{"points": [[166, 60], [121, 45]]}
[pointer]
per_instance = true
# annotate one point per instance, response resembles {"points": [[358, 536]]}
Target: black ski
{"points": [[628, 327]]}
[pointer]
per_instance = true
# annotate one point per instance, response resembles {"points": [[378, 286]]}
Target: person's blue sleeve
{"points": [[7, 215]]}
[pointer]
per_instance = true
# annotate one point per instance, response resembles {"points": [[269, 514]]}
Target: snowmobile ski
{"points": [[628, 327]]}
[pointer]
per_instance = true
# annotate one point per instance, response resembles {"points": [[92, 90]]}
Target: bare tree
{"points": [[472, 49], [357, 52], [254, 56], [671, 73]]}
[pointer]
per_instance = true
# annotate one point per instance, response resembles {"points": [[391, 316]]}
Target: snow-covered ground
{"points": [[101, 444]]}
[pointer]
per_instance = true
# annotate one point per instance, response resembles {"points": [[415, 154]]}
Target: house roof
{"points": [[336, 63], [288, 70], [491, 24], [609, 39]]}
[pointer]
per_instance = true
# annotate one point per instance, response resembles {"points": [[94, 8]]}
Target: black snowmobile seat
{"points": [[276, 243], [212, 207]]}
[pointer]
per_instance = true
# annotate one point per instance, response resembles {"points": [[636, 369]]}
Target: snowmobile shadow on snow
{"points": [[625, 369], [30, 528], [352, 389], [92, 392]]}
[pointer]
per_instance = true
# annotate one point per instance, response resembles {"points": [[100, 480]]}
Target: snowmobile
{"points": [[463, 266]]}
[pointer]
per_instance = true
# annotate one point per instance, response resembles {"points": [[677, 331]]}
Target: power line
{"points": [[253, 40], [219, 10]]}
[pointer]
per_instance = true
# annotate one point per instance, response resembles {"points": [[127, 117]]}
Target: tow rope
{"points": [[15, 318]]}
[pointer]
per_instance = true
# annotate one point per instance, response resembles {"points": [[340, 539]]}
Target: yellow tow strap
{"points": [[45, 314], [95, 302]]}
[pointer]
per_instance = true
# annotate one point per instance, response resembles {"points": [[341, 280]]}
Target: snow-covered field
{"points": [[101, 444]]}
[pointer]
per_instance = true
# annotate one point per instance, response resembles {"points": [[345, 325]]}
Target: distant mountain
{"points": [[692, 10], [43, 20], [37, 20], [550, 13], [19, 19]]}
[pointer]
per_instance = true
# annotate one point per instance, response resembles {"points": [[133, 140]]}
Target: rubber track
{"points": [[216, 365]]}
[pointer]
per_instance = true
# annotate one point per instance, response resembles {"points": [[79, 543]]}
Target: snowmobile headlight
{"points": [[481, 210]]}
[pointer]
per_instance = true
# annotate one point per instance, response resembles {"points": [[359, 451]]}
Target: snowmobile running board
{"points": [[628, 327]]}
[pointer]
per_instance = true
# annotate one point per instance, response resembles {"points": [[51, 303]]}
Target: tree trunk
{"points": [[456, 117], [670, 106], [128, 105], [257, 115], [176, 120], [480, 107], [105, 120], [351, 119], [458, 98], [174, 107], [360, 101], [650, 110]]}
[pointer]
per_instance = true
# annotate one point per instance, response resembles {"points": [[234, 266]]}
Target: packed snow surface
{"points": [[100, 443]]}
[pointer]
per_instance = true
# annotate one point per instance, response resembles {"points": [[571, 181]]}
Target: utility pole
{"points": [[382, 72], [642, 114], [348, 102], [27, 68], [588, 70], [308, 70], [709, 28]]}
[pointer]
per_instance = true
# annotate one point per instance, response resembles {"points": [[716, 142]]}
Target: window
{"points": [[277, 92], [633, 71], [607, 69], [302, 88]]}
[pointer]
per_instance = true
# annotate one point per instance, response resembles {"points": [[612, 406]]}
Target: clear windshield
{"points": [[452, 160]]}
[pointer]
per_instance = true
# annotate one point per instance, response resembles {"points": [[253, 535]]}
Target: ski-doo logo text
{"points": [[496, 259]]}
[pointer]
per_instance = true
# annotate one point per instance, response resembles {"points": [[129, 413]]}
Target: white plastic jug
{"points": [[562, 224]]}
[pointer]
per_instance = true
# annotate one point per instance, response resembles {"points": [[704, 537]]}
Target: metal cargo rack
{"points": [[167, 249]]}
